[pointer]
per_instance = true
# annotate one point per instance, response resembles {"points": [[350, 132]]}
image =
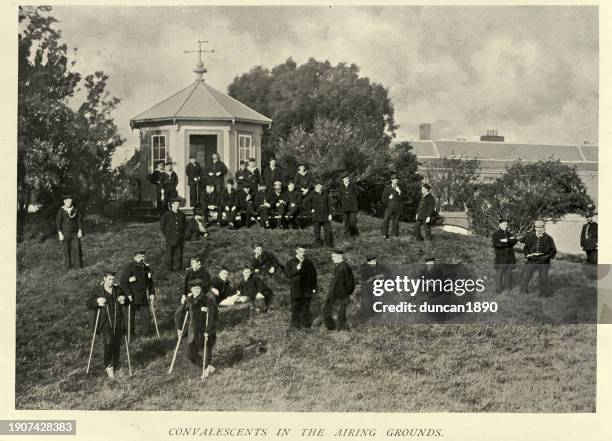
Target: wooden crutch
{"points": [[179, 341]]}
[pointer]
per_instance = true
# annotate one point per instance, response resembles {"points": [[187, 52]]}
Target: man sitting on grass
{"points": [[255, 290]]}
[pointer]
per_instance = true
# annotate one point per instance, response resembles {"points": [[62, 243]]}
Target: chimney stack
{"points": [[425, 132], [492, 136]]}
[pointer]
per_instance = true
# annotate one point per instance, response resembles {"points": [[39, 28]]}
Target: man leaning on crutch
{"points": [[107, 302]]}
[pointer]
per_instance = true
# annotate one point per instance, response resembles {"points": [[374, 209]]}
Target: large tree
{"points": [[63, 145], [295, 96]]}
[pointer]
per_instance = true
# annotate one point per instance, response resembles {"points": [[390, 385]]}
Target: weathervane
{"points": [[200, 69]]}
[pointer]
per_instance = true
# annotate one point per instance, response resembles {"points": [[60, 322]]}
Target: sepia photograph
{"points": [[239, 208]]}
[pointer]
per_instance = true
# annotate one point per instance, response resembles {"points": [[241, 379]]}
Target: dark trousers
{"points": [[426, 230], [174, 256], [246, 213], [292, 216], [279, 213], [340, 305], [195, 349], [542, 270], [591, 257], [264, 215], [350, 223], [158, 196], [112, 348], [144, 319], [392, 214], [72, 251], [504, 277], [327, 233], [300, 312], [194, 193]]}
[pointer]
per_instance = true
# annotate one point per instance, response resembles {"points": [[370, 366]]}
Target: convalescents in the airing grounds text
{"points": [[306, 432]]}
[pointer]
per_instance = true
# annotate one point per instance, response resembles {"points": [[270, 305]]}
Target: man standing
{"points": [[229, 204], [173, 228], [588, 239], [253, 175], [293, 198], [319, 205], [271, 174], [243, 178], [303, 285], [216, 173], [391, 199], [278, 204], [341, 288], [302, 180], [156, 179], [255, 289], [425, 212], [194, 177], [69, 224], [263, 261], [169, 182], [505, 261], [137, 283], [539, 250], [107, 302], [349, 194]]}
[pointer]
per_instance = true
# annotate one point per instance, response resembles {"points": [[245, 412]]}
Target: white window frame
{"points": [[250, 149], [153, 159]]}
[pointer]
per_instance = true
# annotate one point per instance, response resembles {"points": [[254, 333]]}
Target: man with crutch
{"points": [[108, 302], [137, 283]]}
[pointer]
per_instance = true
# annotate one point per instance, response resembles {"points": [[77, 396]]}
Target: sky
{"points": [[531, 72]]}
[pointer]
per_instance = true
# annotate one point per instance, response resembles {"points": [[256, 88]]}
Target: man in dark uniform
{"points": [[392, 201], [539, 250], [341, 287], [69, 224], [303, 285], [253, 174], [261, 205], [278, 204], [271, 174], [203, 316], [156, 178], [319, 205], [221, 286], [211, 204], [255, 289], [588, 239], [216, 173], [302, 179], [196, 271], [229, 204], [173, 228], [425, 212], [243, 178], [349, 195], [136, 282], [169, 182], [196, 225], [194, 178], [293, 198], [110, 301], [505, 261], [264, 262], [245, 208]]}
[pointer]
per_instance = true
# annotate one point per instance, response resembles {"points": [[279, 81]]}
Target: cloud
{"points": [[530, 72]]}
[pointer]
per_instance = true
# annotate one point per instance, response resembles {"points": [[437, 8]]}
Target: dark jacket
{"points": [[69, 223], [320, 203], [395, 201], [269, 176], [228, 199], [302, 282], [173, 227], [342, 282], [215, 168], [588, 236], [504, 251], [202, 274], [302, 181], [243, 199], [243, 179], [193, 171], [264, 262], [253, 177], [252, 286], [544, 244], [276, 200], [199, 320], [141, 288], [294, 197], [426, 207], [169, 182], [115, 310], [348, 197], [259, 199], [225, 288], [210, 199], [156, 176]]}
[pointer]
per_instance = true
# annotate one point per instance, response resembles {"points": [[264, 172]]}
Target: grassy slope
{"points": [[415, 368]]}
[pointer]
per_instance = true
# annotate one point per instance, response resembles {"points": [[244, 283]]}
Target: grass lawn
{"points": [[459, 368]]}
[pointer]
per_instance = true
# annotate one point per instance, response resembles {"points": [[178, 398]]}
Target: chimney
{"points": [[425, 132], [492, 136]]}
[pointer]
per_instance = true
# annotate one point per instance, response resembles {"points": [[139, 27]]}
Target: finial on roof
{"points": [[200, 70]]}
